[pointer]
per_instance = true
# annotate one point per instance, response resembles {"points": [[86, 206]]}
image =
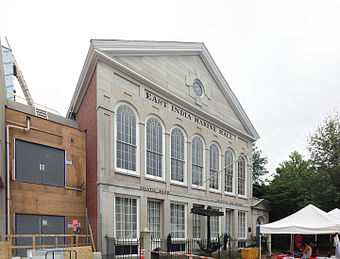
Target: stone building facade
{"points": [[165, 133]]}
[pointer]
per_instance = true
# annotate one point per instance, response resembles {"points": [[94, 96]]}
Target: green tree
{"points": [[259, 165], [289, 190], [324, 148], [296, 184]]}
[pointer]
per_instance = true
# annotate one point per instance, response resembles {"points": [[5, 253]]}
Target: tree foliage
{"points": [[297, 183], [259, 166], [324, 148]]}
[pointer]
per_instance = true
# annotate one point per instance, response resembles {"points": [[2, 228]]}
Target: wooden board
{"points": [[4, 250]]}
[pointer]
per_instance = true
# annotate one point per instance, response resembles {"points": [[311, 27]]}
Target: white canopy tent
{"points": [[335, 213], [307, 221]]}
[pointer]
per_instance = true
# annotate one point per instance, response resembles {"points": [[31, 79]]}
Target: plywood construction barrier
{"points": [[83, 252], [4, 250]]}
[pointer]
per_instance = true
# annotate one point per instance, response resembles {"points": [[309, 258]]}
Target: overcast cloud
{"points": [[281, 58]]}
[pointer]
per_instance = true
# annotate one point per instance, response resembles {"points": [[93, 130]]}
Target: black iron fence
{"points": [[122, 248], [221, 247]]}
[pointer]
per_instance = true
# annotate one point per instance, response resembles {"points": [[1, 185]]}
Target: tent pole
{"points": [[291, 242]]}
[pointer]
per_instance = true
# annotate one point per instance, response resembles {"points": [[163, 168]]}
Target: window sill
{"points": [[125, 172], [178, 183], [197, 187], [214, 190], [229, 194], [156, 179], [242, 197]]}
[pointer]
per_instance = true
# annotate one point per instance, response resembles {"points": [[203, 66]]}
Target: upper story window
{"points": [[241, 183], [177, 155], [39, 164], [126, 139], [154, 148], [197, 161], [214, 167], [229, 171]]}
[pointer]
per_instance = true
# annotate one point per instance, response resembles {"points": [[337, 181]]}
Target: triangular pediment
{"points": [[177, 73], [173, 67]]}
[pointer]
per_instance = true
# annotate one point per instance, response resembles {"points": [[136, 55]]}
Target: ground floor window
{"points": [[154, 218], [196, 226], [242, 224], [214, 227], [229, 222], [126, 217], [177, 223]]}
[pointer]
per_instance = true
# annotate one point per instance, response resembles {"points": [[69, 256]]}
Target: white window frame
{"points": [[219, 223], [218, 169], [185, 220], [201, 225], [122, 170], [231, 221], [245, 225], [245, 176], [137, 216], [148, 176], [185, 158], [234, 172], [203, 186], [160, 217]]}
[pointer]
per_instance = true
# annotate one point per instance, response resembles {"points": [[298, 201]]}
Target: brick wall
{"points": [[87, 117]]}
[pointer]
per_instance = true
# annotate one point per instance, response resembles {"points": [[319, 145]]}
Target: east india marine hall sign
{"points": [[187, 115]]}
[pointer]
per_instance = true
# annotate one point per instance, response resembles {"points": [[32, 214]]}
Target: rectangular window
{"points": [[196, 226], [242, 224], [154, 219], [215, 226], [177, 221], [35, 163], [126, 217], [229, 222]]}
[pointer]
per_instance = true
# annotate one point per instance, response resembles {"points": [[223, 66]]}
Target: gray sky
{"points": [[281, 58]]}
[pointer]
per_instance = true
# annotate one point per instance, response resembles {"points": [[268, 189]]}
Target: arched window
{"points": [[126, 135], [214, 166], [177, 155], [197, 149], [259, 221], [241, 176], [229, 171], [154, 147]]}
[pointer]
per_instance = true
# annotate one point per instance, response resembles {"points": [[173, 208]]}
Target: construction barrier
{"points": [[175, 253]]}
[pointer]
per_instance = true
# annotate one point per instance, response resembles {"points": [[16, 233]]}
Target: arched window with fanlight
{"points": [[229, 171], [241, 181], [197, 161], [154, 148], [178, 154], [126, 139]]}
